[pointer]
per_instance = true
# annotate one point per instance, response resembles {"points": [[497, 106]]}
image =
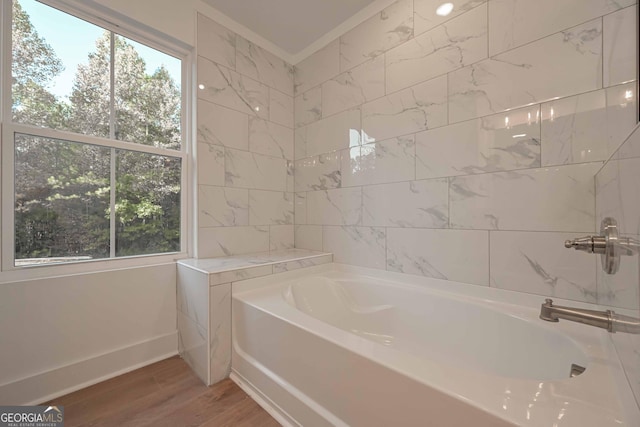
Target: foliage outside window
{"points": [[97, 145]]}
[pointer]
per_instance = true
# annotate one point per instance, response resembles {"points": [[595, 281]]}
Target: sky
{"points": [[73, 39]]}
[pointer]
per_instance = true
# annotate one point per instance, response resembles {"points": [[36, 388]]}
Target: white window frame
{"points": [[128, 28]]}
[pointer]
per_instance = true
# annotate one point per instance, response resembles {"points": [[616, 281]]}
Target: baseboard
{"points": [[57, 382], [272, 409]]}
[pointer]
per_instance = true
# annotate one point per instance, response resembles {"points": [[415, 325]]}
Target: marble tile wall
{"points": [[245, 151], [618, 196], [465, 147]]}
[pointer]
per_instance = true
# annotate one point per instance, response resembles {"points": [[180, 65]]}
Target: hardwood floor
{"points": [[166, 393]]}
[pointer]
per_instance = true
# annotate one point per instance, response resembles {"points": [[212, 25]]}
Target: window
{"points": [[92, 142]]}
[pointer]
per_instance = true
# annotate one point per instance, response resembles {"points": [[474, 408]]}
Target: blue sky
{"points": [[73, 39]]}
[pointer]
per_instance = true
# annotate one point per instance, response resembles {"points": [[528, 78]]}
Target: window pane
{"points": [[147, 95], [147, 203], [61, 201], [60, 70]]}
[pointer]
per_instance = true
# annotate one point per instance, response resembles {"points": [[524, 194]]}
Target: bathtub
{"points": [[336, 345]]}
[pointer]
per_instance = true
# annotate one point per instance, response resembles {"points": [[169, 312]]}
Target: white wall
{"points": [[59, 334]]}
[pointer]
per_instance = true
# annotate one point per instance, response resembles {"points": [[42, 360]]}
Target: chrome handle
{"points": [[589, 244], [609, 245]]}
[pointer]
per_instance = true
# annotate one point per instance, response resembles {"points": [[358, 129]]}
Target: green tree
{"points": [[35, 65]]}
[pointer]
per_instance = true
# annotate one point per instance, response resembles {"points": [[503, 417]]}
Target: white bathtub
{"points": [[338, 345]]}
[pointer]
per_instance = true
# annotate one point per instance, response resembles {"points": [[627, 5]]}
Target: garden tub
{"points": [[336, 345]]}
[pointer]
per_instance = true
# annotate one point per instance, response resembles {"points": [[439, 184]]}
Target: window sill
{"points": [[34, 272]]}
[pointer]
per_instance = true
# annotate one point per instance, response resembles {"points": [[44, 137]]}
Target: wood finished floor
{"points": [[166, 393]]}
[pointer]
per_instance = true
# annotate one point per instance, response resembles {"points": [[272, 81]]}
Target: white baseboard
{"points": [[57, 382], [271, 408]]}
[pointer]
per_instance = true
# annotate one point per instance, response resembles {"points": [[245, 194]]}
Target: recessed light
{"points": [[444, 9], [201, 86], [257, 108]]}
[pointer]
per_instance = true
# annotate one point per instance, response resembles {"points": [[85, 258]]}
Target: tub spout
{"points": [[608, 319]]}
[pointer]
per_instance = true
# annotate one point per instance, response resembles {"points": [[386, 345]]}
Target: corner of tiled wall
{"points": [[465, 147], [245, 145], [618, 197]]}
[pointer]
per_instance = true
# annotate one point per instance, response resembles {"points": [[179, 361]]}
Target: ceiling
{"points": [[292, 25]]}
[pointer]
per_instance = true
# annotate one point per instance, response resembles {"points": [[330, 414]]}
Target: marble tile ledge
{"points": [[241, 267]]}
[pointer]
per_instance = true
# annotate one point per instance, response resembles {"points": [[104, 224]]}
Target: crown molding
{"points": [[236, 27], [352, 22], [293, 58]]}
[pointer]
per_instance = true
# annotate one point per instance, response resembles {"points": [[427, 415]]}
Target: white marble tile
{"points": [[617, 196], [620, 46], [244, 261], [500, 142], [263, 66], [562, 64], [239, 274], [425, 16], [318, 173], [222, 206], [251, 170], [317, 68], [210, 164], [192, 293], [225, 87], [622, 107], [270, 139], [386, 29], [628, 349], [308, 237], [308, 107], [362, 246], [513, 23], [459, 42], [281, 237], [407, 204], [586, 127], [270, 207], [300, 208], [336, 132], [193, 346], [415, 109], [215, 42], [221, 126], [220, 332], [303, 263], [458, 255], [281, 108], [392, 160], [617, 192], [538, 263], [342, 206], [630, 146], [355, 87], [226, 241], [551, 199], [290, 176], [574, 129]]}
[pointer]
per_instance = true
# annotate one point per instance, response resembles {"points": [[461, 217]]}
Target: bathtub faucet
{"points": [[608, 320]]}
